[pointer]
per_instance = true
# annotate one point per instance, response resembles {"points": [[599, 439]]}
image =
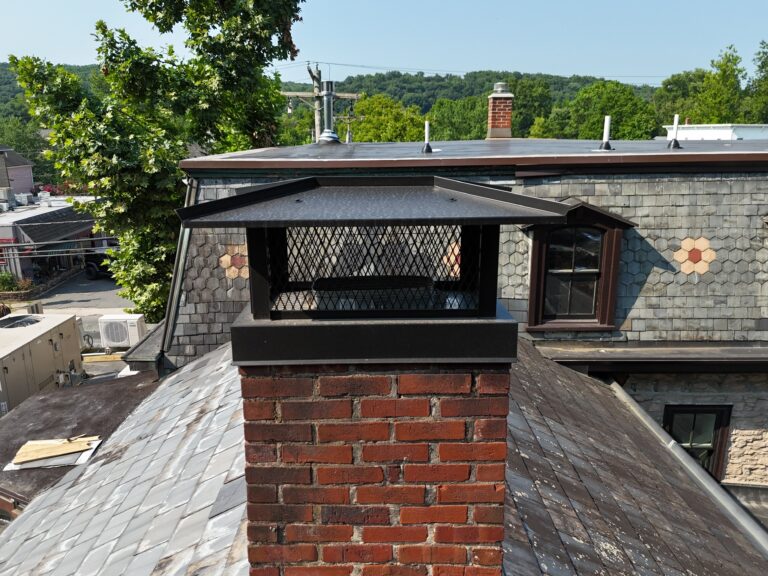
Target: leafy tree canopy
{"points": [[380, 118], [122, 140], [462, 119], [720, 99], [631, 117]]}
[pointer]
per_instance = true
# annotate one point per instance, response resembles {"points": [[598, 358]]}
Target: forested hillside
{"points": [[423, 91], [396, 104]]}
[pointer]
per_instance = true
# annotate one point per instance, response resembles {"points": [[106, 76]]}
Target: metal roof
{"points": [[345, 201], [523, 153]]}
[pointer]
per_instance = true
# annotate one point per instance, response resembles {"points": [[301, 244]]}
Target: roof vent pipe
{"points": [[674, 144], [605, 145], [328, 136], [426, 149]]}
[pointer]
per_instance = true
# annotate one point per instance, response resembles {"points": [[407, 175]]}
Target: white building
{"points": [[718, 132]]}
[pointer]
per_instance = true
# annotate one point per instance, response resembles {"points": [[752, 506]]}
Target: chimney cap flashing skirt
{"points": [[262, 342]]}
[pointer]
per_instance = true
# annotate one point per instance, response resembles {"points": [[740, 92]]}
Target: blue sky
{"points": [[628, 40]]}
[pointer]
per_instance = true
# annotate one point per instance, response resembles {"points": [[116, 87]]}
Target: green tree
{"points": [[720, 99], [756, 105], [533, 99], [632, 118], [296, 127], [379, 118], [678, 94], [122, 140], [24, 138], [462, 119]]}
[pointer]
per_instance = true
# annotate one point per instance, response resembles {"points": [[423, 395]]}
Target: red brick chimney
{"points": [[386, 471], [500, 112], [375, 389]]}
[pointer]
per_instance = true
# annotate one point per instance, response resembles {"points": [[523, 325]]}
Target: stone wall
{"points": [[662, 295], [375, 473], [747, 458]]}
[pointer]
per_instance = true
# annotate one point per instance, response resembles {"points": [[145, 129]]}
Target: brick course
{"points": [[375, 474]]}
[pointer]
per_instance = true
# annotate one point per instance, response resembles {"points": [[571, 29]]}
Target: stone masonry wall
{"points": [[662, 294], [747, 458], [375, 472]]}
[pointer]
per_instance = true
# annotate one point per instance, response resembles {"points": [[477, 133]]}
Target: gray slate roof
{"points": [[590, 491], [13, 158], [164, 495]]}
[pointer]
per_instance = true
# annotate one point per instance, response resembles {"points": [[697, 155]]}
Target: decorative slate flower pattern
{"points": [[235, 261], [694, 255]]}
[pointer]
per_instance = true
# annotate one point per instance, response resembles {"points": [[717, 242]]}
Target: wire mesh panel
{"points": [[371, 271]]}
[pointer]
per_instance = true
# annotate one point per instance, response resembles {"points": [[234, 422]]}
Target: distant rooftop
{"points": [[519, 153], [13, 158], [36, 211], [689, 132]]}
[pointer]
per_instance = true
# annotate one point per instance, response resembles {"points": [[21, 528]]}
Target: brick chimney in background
{"points": [[375, 390], [500, 111]]}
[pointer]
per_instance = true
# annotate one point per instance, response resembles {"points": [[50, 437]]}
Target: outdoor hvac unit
{"points": [[122, 330]]}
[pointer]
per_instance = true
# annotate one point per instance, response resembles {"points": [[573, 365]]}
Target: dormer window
{"points": [[573, 272], [574, 269]]}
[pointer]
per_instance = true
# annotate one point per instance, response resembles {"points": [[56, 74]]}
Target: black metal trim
{"points": [[294, 342], [666, 365], [258, 279], [489, 269]]}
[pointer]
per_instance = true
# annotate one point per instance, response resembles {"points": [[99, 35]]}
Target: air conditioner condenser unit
{"points": [[122, 330]]}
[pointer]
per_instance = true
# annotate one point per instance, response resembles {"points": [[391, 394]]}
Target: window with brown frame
{"points": [[574, 271], [702, 430]]}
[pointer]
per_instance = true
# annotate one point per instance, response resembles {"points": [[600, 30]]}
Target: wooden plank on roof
{"points": [[40, 449]]}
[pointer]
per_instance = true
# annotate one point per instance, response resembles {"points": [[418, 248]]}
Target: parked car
{"points": [[96, 266]]}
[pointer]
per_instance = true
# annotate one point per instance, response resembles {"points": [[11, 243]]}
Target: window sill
{"points": [[572, 326]]}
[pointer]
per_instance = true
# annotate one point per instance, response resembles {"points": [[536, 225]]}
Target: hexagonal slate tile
{"points": [[695, 255]]}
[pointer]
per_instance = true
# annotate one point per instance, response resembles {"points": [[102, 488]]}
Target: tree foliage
{"points": [[122, 138], [380, 118], [462, 119], [720, 99], [631, 117]]}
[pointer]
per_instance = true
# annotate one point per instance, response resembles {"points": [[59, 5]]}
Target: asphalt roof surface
{"points": [[54, 225], [512, 151], [4, 181], [88, 409], [589, 489], [13, 158]]}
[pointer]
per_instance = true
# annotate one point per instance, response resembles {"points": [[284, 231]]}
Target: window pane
{"points": [[583, 296], [702, 455], [556, 295], [682, 425], [560, 255], [587, 249], [703, 430]]}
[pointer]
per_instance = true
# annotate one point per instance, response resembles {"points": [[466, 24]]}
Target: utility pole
{"points": [[316, 90]]}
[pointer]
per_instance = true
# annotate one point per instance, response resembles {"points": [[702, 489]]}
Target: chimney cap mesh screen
{"points": [[370, 270]]}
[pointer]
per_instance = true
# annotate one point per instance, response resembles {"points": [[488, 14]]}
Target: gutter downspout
{"points": [[754, 532]]}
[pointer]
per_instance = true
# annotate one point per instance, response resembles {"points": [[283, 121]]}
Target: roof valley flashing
{"points": [[373, 270]]}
